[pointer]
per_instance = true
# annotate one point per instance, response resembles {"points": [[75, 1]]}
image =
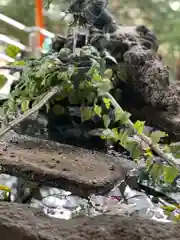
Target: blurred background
{"points": [[162, 16]]}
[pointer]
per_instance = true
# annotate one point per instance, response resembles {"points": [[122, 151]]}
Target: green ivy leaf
{"points": [[12, 51], [136, 153], [104, 86], [107, 102], [116, 134], [3, 81], [149, 162], [148, 152], [18, 63], [125, 118], [25, 105], [43, 70], [106, 120], [167, 149], [12, 105], [108, 73], [174, 148], [169, 208], [156, 171], [170, 173], [98, 110], [93, 70], [86, 113], [122, 116], [123, 136], [108, 134], [133, 149], [97, 77], [139, 126], [118, 114], [156, 136]]}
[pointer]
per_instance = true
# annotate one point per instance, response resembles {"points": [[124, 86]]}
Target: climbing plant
{"points": [[82, 76]]}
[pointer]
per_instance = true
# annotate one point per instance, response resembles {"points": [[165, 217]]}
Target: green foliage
{"points": [[107, 102], [165, 173], [25, 105], [106, 120], [86, 113], [139, 126], [12, 51], [173, 211], [18, 63], [157, 135], [122, 116], [170, 174], [3, 81], [174, 148], [83, 80], [98, 110]]}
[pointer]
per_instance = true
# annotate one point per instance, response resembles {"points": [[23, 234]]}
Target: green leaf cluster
{"points": [[83, 79]]}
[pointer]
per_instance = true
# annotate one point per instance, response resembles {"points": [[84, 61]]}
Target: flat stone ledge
{"points": [[78, 170], [18, 222]]}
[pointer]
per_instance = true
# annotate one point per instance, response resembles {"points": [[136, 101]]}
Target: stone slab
{"points": [[78, 170], [18, 222]]}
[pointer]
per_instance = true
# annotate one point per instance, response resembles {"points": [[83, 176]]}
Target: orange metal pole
{"points": [[39, 19]]}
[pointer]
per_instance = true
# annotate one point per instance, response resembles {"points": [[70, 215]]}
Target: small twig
{"points": [[31, 111], [169, 159]]}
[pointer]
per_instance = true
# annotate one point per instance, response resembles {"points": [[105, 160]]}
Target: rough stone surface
{"points": [[80, 171], [18, 222], [141, 80]]}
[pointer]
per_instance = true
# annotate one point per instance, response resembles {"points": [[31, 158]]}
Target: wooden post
{"points": [[39, 19]]}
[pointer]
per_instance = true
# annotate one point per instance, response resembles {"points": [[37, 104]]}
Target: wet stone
{"points": [[78, 170]]}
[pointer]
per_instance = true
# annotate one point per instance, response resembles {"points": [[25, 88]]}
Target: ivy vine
{"points": [[83, 78]]}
